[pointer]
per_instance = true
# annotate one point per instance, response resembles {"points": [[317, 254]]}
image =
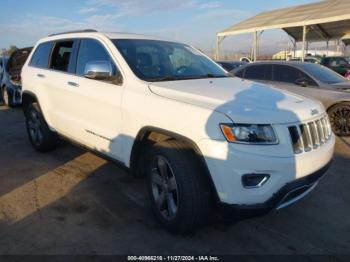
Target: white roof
{"points": [[111, 35], [328, 19]]}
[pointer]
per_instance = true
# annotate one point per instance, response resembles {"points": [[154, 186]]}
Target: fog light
{"points": [[254, 180]]}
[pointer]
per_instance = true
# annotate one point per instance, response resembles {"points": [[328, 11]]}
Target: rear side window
{"points": [[61, 56], [239, 73], [41, 55], [288, 74], [90, 50], [258, 72]]}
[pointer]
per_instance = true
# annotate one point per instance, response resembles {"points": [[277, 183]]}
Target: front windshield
{"points": [[322, 73], [153, 60]]}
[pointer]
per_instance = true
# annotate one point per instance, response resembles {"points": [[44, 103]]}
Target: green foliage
{"points": [[9, 51]]}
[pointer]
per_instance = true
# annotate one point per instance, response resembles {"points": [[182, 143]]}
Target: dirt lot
{"points": [[72, 202]]}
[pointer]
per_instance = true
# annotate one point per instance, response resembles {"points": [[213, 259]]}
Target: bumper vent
{"points": [[309, 136]]}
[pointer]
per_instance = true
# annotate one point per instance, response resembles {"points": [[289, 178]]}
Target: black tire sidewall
{"points": [[186, 171], [49, 140]]}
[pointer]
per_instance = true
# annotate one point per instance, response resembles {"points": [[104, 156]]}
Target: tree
{"points": [[9, 51]]}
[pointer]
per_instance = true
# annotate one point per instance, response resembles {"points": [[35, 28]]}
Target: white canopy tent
{"points": [[321, 21]]}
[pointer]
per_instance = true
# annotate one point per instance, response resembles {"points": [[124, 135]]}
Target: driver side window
{"points": [[149, 61], [90, 50], [289, 74]]}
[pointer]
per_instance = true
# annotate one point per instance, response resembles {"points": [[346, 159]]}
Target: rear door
{"points": [[54, 86]]}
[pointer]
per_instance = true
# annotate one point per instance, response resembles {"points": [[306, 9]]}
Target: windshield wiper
{"points": [[164, 78], [209, 75], [176, 78]]}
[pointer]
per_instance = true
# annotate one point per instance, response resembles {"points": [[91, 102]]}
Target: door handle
{"points": [[73, 84], [40, 75]]}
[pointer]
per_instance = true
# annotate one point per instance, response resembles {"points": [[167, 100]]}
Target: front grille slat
{"points": [[313, 134], [305, 137], [296, 139], [309, 136], [320, 131]]}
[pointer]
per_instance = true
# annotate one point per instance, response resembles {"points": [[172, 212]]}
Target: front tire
{"points": [[179, 191], [339, 116], [40, 135]]}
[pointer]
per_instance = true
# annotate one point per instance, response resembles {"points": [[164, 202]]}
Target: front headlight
{"points": [[249, 134]]}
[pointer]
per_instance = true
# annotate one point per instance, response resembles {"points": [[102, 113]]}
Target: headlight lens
{"points": [[249, 134]]}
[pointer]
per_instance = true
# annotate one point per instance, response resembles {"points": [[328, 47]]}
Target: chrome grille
{"points": [[309, 136]]}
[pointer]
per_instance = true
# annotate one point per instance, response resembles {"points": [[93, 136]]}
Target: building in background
{"points": [[285, 54]]}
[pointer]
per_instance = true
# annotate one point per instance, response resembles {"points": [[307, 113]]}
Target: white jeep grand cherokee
{"points": [[166, 111]]}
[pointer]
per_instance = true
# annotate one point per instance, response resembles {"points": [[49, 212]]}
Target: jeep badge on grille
{"points": [[314, 112]]}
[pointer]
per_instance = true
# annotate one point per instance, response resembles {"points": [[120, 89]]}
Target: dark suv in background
{"points": [[338, 64], [10, 81]]}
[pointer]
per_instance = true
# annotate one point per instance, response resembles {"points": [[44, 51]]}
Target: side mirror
{"points": [[98, 70], [302, 82]]}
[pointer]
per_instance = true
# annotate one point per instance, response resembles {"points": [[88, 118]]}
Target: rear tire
{"points": [[40, 135], [179, 191], [339, 116]]}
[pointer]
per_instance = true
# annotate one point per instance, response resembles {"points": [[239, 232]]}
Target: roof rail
{"points": [[76, 31]]}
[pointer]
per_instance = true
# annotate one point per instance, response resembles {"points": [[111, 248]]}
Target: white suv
{"points": [[166, 111]]}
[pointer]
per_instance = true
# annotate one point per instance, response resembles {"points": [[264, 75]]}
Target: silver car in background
{"points": [[309, 80]]}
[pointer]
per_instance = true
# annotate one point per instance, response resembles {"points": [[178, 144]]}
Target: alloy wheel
{"points": [[35, 128], [164, 188], [340, 120]]}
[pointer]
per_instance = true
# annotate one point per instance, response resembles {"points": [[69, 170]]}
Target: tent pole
{"points": [[294, 48], [303, 48], [338, 45], [255, 46], [217, 55]]}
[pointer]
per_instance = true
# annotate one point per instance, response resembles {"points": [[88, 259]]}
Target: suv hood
{"points": [[243, 101]]}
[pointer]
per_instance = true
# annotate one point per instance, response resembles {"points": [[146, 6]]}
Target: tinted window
{"points": [[338, 62], [41, 55], [61, 56], [239, 73], [286, 74], [268, 72], [258, 72], [322, 73], [228, 66], [154, 60], [90, 50], [255, 72]]}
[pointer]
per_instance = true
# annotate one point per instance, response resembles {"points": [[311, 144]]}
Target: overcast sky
{"points": [[23, 22]]}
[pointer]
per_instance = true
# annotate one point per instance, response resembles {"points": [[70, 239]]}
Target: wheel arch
{"points": [[150, 135], [27, 98]]}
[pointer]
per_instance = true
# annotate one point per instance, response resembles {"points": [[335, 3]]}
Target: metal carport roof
{"points": [[321, 21]]}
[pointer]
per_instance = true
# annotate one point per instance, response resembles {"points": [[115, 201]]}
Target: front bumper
{"points": [[287, 195], [227, 164]]}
